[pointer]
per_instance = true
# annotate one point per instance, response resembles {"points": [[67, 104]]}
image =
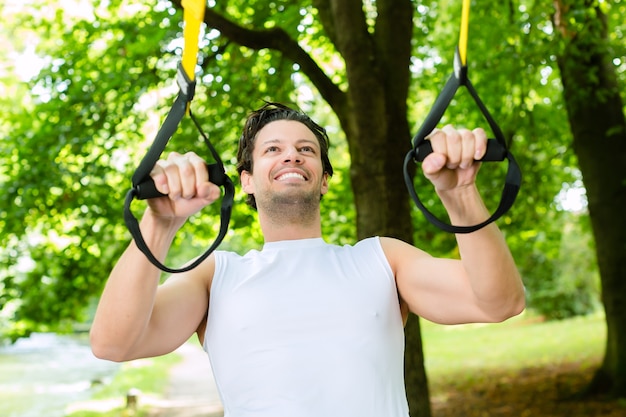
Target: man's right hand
{"points": [[185, 180]]}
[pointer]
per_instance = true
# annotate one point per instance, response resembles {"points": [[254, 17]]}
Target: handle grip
{"points": [[495, 152], [147, 189]]}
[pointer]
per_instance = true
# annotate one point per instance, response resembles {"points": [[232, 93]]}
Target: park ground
{"points": [[515, 369], [543, 392], [531, 368], [547, 391]]}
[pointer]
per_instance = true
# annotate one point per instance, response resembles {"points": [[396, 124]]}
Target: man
{"points": [[302, 327]]}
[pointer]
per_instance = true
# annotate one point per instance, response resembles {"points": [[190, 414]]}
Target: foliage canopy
{"points": [[84, 120]]}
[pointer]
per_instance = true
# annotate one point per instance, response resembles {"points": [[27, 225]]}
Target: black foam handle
{"points": [[495, 152], [147, 189]]}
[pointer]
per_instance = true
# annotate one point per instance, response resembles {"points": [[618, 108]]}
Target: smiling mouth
{"points": [[291, 175]]}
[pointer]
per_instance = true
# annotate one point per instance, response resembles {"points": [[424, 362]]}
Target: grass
{"points": [[457, 355], [465, 352], [148, 376]]}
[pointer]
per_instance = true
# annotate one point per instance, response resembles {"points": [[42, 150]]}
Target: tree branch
{"points": [[355, 44], [279, 40]]}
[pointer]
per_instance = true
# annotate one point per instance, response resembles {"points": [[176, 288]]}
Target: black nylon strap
{"points": [[496, 150], [143, 186]]}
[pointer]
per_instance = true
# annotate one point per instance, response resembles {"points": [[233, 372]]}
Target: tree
{"points": [[596, 117], [68, 151]]}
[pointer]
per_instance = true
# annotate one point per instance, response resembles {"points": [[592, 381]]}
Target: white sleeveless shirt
{"points": [[307, 329]]}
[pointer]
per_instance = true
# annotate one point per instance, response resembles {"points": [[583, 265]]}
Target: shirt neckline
{"points": [[294, 244]]}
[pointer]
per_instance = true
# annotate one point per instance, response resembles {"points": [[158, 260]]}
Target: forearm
{"points": [[488, 262], [125, 307]]}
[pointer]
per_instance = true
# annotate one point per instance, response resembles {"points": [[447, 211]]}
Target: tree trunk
{"points": [[598, 125], [414, 371], [377, 67]]}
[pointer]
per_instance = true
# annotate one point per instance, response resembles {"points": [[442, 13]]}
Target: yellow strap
{"points": [[464, 29], [193, 15]]}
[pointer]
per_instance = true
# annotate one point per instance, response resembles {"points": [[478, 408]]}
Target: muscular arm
{"points": [[484, 285], [137, 317]]}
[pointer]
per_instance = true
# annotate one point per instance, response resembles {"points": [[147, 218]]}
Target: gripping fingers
{"points": [[480, 146], [449, 143], [176, 176], [184, 176], [460, 147], [191, 172], [468, 148], [160, 178], [202, 188], [197, 176]]}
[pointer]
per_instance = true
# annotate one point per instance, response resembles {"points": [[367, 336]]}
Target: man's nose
{"points": [[292, 155]]}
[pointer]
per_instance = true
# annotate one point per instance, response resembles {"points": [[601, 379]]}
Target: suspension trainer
{"points": [[497, 150], [143, 186]]}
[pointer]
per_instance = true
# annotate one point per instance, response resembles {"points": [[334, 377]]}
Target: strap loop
{"points": [[496, 150], [143, 186]]}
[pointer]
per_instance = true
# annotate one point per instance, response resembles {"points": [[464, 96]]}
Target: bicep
{"points": [[180, 306], [436, 289]]}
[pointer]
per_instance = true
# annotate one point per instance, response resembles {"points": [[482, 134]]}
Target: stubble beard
{"points": [[294, 206]]}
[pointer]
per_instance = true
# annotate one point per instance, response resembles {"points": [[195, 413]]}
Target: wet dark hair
{"points": [[271, 112]]}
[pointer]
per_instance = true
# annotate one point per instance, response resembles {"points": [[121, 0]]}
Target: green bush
{"points": [[562, 280]]}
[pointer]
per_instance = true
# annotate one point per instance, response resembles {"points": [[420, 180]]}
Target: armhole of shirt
{"points": [[218, 256], [378, 249]]}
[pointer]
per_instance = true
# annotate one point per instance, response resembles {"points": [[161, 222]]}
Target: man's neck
{"points": [[290, 226]]}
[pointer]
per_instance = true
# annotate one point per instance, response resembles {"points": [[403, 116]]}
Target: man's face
{"points": [[287, 165]]}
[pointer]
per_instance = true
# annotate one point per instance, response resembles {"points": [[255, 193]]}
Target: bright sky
{"points": [[21, 51], [573, 197]]}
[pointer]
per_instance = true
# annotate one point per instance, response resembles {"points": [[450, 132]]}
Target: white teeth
{"points": [[290, 175]]}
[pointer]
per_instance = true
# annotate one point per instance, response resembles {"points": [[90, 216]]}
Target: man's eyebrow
{"points": [[298, 141], [311, 141]]}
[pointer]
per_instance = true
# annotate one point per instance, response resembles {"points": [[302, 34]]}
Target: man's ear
{"points": [[325, 179], [246, 182]]}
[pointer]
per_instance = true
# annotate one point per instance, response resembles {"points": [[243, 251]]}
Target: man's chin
{"points": [[296, 198]]}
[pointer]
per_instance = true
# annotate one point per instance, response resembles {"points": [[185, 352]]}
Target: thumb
{"points": [[208, 191], [433, 163]]}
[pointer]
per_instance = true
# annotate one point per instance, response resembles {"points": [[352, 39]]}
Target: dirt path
{"points": [[192, 391]]}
